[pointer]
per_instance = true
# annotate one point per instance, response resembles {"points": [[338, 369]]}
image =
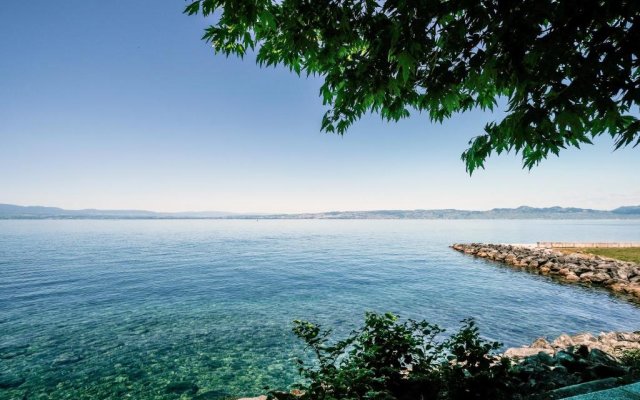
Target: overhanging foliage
{"points": [[568, 69]]}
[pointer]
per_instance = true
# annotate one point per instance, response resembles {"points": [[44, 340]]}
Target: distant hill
{"points": [[8, 211], [523, 212], [628, 210]]}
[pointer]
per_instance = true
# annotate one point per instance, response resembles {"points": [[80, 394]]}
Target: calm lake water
{"points": [[117, 309]]}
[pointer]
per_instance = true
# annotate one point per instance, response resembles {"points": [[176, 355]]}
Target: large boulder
{"points": [[523, 352], [572, 277]]}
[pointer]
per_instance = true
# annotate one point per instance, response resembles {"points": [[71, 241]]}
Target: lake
{"points": [[93, 309]]}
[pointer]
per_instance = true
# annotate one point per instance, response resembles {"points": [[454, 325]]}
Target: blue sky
{"points": [[118, 104]]}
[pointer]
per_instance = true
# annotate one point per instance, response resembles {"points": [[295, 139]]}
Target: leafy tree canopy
{"points": [[568, 68]]}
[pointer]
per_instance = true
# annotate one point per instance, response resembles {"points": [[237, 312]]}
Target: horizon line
{"points": [[262, 213]]}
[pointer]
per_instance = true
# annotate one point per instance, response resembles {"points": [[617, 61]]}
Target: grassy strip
{"points": [[619, 253]]}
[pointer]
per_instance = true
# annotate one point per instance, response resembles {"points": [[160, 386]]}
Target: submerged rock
{"points": [[65, 359], [212, 395], [10, 380], [182, 387], [11, 351]]}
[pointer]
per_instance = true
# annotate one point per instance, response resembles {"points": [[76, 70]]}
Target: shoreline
{"points": [[613, 343], [572, 365], [618, 277]]}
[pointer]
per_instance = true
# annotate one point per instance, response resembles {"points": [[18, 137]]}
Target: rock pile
{"points": [[567, 370], [614, 343], [618, 276], [571, 365]]}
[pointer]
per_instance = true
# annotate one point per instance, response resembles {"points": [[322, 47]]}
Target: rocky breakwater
{"points": [[618, 276], [571, 365]]}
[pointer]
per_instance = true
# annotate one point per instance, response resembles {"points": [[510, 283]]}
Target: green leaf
{"points": [[564, 78]]}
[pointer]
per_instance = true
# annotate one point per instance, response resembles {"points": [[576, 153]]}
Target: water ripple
{"points": [[108, 309]]}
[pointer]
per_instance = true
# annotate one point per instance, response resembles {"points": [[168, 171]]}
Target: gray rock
{"points": [[541, 343], [563, 341], [546, 358], [571, 277], [584, 338], [600, 357], [522, 352], [582, 269], [586, 276], [566, 359], [600, 277]]}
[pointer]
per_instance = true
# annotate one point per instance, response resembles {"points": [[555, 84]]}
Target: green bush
{"points": [[473, 372], [389, 359], [631, 359]]}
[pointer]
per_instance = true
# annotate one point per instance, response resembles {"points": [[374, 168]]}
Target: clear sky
{"points": [[118, 104]]}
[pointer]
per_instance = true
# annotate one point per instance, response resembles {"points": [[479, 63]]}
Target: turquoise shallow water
{"points": [[123, 309]]}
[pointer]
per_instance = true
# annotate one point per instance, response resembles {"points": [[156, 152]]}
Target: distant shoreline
{"points": [[89, 218], [9, 211]]}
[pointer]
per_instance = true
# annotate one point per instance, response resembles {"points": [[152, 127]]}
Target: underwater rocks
{"points": [[182, 387], [9, 380], [10, 351], [617, 276], [65, 359], [212, 395]]}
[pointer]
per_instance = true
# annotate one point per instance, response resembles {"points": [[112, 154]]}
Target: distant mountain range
{"points": [[8, 211]]}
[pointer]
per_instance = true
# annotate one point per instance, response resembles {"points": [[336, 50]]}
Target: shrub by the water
{"points": [[631, 359], [390, 359], [473, 371]]}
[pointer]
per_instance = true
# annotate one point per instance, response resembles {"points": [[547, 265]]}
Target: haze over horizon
{"points": [[122, 112], [239, 213]]}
